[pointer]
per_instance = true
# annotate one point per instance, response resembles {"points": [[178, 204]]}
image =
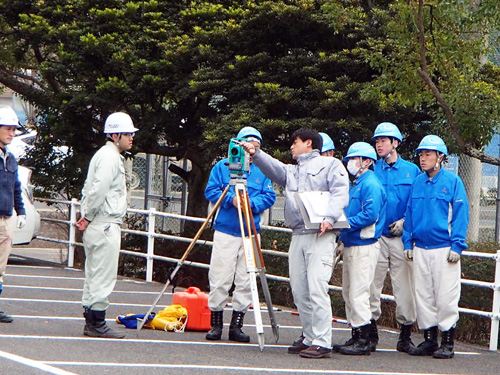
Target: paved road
{"points": [[46, 338]]}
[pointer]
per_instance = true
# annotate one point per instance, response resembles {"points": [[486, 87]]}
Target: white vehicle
{"points": [[25, 140], [24, 235], [21, 143]]}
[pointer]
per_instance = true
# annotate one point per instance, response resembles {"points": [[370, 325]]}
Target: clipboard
{"points": [[313, 206]]}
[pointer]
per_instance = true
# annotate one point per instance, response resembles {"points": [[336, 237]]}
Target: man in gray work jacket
{"points": [[104, 204], [312, 251]]}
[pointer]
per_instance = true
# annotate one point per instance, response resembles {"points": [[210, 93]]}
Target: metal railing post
{"points": [[495, 310], [72, 232], [151, 244]]}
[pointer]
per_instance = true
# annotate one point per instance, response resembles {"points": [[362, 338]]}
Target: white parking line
{"points": [[44, 277], [35, 364], [10, 286], [169, 342], [236, 368], [70, 302], [36, 267], [41, 317]]}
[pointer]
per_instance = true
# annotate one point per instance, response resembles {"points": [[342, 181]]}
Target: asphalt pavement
{"points": [[46, 337]]}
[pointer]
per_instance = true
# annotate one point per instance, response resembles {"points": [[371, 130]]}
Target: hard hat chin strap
{"points": [[389, 154], [362, 168], [392, 151], [439, 160]]}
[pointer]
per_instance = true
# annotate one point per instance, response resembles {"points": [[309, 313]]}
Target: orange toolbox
{"points": [[196, 303]]}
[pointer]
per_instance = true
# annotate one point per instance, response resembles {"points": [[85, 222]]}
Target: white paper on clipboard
{"points": [[313, 206]]}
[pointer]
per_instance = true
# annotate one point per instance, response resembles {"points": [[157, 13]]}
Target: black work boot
{"points": [[362, 345], [99, 328], [86, 315], [404, 342], [4, 318], [445, 351], [373, 335], [354, 337], [235, 332], [428, 346], [216, 321]]}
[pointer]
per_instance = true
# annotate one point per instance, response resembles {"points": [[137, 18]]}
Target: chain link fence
{"points": [[152, 185], [480, 181]]}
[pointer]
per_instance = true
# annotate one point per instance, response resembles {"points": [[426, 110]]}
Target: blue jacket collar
{"points": [[362, 177], [396, 165], [435, 179]]}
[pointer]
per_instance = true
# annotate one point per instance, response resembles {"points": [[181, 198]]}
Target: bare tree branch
{"points": [[25, 77], [424, 73], [163, 150], [447, 110], [182, 173], [24, 89], [49, 77]]}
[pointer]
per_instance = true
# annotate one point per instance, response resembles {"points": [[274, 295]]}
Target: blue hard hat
{"points": [[327, 143], [362, 149], [249, 131], [387, 129], [433, 142]]}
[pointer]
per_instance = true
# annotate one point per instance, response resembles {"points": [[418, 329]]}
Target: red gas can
{"points": [[196, 303]]}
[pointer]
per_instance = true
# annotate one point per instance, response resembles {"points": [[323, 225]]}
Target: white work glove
{"points": [[453, 257], [409, 255], [396, 228], [21, 221]]}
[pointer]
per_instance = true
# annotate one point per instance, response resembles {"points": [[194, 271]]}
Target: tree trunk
{"points": [[471, 172]]}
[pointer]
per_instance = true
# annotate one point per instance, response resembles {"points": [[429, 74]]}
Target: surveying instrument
{"points": [[239, 167]]}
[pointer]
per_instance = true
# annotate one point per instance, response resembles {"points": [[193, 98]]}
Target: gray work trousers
{"points": [[310, 267]]}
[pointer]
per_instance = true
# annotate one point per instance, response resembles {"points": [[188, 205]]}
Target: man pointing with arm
{"points": [[311, 251]]}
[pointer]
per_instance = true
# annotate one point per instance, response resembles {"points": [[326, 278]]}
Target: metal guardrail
{"points": [[152, 214]]}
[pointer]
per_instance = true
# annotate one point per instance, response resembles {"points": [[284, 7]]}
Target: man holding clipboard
{"points": [[311, 253]]}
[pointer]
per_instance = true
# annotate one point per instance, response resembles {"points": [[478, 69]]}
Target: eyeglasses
{"points": [[129, 134]]}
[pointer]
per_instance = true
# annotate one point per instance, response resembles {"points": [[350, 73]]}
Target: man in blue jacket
{"points": [[366, 215], [10, 193], [328, 148], [434, 235], [396, 176], [227, 263]]}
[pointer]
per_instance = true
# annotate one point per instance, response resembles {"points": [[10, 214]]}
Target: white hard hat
{"points": [[8, 117], [119, 122]]}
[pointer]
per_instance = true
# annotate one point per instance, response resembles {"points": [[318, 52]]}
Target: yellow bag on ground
{"points": [[171, 318]]}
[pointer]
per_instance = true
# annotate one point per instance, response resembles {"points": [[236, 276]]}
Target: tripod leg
{"points": [[140, 322], [250, 261], [262, 275]]}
